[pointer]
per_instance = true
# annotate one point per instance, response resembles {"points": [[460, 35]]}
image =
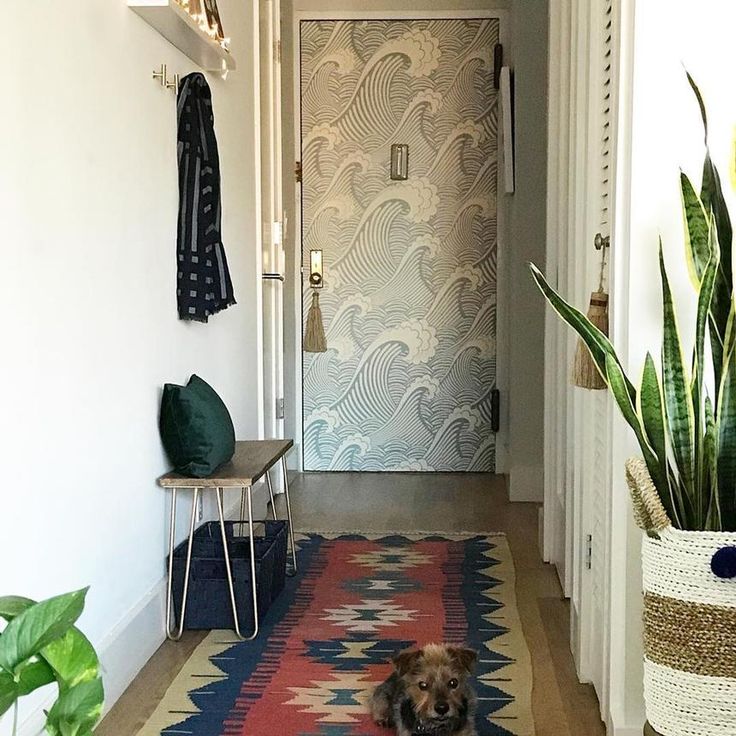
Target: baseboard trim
{"points": [[123, 653], [614, 728], [126, 649], [627, 731]]}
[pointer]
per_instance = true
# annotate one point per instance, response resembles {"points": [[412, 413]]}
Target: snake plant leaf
{"points": [[701, 104], [713, 521], [77, 709], [718, 352], [697, 230], [617, 383], [37, 626], [651, 411], [705, 298], [714, 201], [727, 444], [712, 198], [730, 333], [677, 397], [598, 344]]}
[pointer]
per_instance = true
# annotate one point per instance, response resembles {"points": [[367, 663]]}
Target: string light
{"points": [[203, 22]]}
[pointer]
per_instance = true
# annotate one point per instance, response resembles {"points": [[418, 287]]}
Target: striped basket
{"points": [[689, 622]]}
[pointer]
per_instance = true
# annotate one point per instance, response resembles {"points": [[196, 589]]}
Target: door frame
{"points": [[294, 351], [271, 211]]}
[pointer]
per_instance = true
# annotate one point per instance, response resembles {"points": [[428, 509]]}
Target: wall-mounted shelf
{"points": [[178, 27]]}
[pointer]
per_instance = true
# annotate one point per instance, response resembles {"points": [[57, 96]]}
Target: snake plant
{"points": [[40, 646], [687, 436]]}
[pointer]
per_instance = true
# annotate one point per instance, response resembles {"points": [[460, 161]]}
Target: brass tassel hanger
{"points": [[585, 372], [314, 332]]}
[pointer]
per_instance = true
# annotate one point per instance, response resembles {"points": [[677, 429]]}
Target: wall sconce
{"points": [[399, 161]]}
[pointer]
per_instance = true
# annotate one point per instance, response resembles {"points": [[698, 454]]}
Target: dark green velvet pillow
{"points": [[196, 428]]}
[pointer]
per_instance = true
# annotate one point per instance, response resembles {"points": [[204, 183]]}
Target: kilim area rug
{"points": [[329, 638]]}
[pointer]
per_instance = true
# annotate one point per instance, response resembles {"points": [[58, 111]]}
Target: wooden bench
{"points": [[253, 459]]}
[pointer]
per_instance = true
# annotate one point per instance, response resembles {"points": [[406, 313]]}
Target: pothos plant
{"points": [[40, 646], [686, 431]]}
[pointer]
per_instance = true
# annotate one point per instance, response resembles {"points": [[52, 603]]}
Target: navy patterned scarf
{"points": [[203, 278]]}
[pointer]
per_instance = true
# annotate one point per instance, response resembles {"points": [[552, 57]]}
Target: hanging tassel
{"points": [[585, 372], [314, 333]]}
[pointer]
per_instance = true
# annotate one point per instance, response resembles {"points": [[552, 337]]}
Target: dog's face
{"points": [[435, 680]]}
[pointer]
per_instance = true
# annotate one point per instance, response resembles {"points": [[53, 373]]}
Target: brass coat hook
{"points": [[173, 85], [163, 77], [160, 75]]}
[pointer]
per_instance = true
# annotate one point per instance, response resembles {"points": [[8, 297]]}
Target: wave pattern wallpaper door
{"points": [[409, 297]]}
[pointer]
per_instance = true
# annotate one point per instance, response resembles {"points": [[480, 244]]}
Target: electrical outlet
{"points": [[200, 508]]}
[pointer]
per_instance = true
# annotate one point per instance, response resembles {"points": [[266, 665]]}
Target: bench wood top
{"points": [[250, 462]]}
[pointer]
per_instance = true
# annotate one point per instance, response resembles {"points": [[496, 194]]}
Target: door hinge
{"points": [[495, 410], [277, 51], [280, 409], [298, 172], [589, 552]]}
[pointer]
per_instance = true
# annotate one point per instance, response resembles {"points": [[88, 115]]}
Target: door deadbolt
{"points": [[316, 276]]}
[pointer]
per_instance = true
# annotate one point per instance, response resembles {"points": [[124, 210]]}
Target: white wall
{"points": [[666, 135], [88, 191], [521, 223]]}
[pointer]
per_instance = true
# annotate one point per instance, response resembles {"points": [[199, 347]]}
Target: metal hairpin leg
{"points": [[242, 511], [251, 541], [288, 513], [171, 633], [270, 493]]}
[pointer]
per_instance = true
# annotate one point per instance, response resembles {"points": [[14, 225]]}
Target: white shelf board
{"points": [[178, 27]]}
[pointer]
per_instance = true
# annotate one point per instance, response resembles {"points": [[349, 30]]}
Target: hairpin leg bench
{"points": [[252, 460]]}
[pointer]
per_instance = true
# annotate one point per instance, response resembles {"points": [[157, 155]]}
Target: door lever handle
{"points": [[316, 275]]}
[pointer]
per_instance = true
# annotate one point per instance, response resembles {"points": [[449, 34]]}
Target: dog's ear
{"points": [[405, 660], [464, 657]]}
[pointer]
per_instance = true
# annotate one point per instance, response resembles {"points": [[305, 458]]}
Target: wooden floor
{"points": [[421, 502]]}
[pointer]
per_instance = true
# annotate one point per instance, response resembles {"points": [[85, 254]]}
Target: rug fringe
{"points": [[441, 533]]}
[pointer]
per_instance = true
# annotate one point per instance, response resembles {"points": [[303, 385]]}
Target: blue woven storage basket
{"points": [[208, 599]]}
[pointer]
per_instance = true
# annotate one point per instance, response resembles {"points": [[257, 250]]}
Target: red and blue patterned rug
{"points": [[329, 638]]}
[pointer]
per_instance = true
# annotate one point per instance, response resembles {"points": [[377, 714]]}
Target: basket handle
{"points": [[648, 509]]}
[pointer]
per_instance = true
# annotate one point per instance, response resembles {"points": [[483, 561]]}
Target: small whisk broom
{"points": [[314, 331], [585, 373]]}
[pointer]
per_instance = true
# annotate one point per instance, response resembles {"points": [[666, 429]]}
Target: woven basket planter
{"points": [[689, 622]]}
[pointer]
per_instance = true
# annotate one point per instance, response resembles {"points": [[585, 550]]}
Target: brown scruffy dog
{"points": [[428, 694]]}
